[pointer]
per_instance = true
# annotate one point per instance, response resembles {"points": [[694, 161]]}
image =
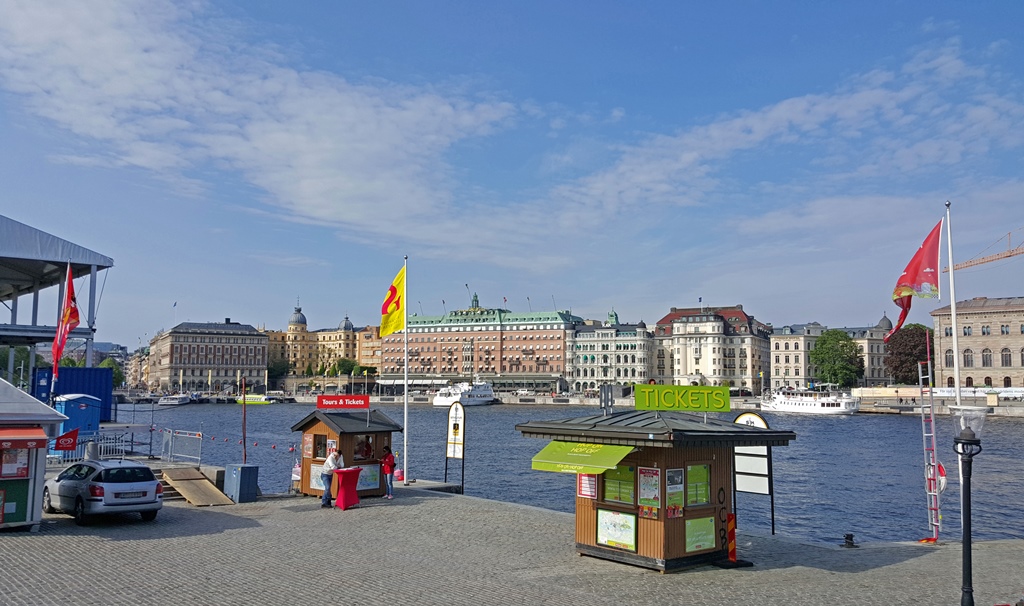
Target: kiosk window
{"points": [[364, 447], [619, 484], [319, 447], [698, 485]]}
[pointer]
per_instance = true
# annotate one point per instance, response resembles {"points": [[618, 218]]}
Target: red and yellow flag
{"points": [[392, 311], [920, 278], [68, 321]]}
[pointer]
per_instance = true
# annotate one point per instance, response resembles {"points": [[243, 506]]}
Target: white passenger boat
{"points": [[477, 393], [827, 400], [175, 400]]}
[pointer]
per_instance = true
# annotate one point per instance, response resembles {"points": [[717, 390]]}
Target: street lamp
{"points": [[967, 444]]}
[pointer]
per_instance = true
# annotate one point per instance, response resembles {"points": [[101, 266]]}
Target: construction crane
{"points": [[1009, 252]]}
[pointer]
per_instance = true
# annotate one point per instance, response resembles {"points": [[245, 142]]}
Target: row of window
{"points": [[605, 359], [987, 382], [217, 361], [1005, 358], [986, 330], [202, 349]]}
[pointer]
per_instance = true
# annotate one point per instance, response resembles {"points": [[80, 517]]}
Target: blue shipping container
{"points": [[97, 382]]}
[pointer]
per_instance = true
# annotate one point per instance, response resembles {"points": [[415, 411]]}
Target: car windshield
{"points": [[125, 475]]}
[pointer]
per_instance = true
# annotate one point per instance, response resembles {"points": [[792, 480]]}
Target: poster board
{"points": [[586, 485], [700, 534], [675, 492], [649, 481], [369, 478], [616, 529]]}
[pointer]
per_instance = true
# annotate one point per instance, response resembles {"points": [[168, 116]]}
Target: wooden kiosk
{"points": [[654, 486], [26, 427], [361, 438]]}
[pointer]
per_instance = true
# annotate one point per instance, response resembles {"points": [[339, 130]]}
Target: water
{"points": [[861, 474]]}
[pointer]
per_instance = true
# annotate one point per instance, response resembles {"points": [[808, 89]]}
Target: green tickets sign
{"points": [[682, 398]]}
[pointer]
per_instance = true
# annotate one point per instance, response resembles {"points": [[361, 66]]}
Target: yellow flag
{"points": [[392, 312]]}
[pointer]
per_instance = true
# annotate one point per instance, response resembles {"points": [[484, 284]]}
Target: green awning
{"points": [[574, 457]]}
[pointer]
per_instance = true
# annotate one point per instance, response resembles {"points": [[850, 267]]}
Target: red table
{"points": [[347, 479]]}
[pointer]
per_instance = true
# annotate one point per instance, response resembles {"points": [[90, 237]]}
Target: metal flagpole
{"points": [[952, 308], [405, 370]]}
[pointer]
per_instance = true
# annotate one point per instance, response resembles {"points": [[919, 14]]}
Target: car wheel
{"points": [[47, 504], [80, 518], [148, 516]]}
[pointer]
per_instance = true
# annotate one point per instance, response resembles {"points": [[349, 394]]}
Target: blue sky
{"points": [[234, 157]]}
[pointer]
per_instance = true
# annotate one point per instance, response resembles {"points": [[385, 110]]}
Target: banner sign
{"points": [[67, 441], [682, 398], [456, 430], [343, 402]]}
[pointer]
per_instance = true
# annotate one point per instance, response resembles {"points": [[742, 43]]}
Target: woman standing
{"points": [[387, 467]]}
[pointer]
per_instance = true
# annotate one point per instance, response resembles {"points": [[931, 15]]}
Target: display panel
{"points": [[675, 491], [698, 485], [700, 534], [14, 463], [620, 484], [616, 529]]}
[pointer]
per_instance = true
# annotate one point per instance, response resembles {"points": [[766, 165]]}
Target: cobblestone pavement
{"points": [[433, 548]]}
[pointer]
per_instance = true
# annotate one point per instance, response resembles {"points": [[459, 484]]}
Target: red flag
{"points": [[67, 441], [919, 279], [68, 321]]}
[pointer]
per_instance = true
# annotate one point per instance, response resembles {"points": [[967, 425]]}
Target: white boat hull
{"points": [[477, 394], [812, 404]]}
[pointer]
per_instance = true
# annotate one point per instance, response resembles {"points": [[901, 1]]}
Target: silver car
{"points": [[101, 487]]}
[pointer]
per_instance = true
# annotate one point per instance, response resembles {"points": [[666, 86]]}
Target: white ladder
{"points": [[934, 480]]}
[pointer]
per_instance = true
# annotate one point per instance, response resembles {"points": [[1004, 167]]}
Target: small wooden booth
{"points": [[26, 426], [654, 488], [360, 437]]}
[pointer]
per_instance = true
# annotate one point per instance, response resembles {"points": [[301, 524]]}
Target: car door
{"points": [[71, 484]]}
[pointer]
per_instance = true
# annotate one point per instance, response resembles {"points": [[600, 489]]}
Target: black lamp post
{"points": [[968, 444]]}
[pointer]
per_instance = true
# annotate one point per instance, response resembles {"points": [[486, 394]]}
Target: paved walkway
{"points": [[433, 548]]}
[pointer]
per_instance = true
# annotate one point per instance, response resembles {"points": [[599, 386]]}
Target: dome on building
{"points": [[346, 325], [297, 317], [642, 325], [885, 322]]}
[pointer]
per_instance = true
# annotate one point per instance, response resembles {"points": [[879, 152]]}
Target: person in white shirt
{"points": [[334, 461]]}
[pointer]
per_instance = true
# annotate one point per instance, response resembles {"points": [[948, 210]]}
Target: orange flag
{"points": [[392, 311], [68, 321], [919, 279]]}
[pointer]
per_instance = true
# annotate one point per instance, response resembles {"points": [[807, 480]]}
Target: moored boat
{"points": [[477, 393], [175, 400], [825, 401], [255, 398]]}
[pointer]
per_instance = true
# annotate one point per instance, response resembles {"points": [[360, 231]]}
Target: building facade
{"points": [[508, 349], [213, 356], [318, 351], [608, 354], [712, 346], [791, 346], [990, 340]]}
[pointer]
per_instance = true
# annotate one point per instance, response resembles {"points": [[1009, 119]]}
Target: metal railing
{"points": [[182, 445], [109, 446]]}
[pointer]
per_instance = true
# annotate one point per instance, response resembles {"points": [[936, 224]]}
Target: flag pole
{"points": [[952, 308], [405, 379]]}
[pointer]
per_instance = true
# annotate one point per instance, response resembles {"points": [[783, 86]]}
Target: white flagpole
{"points": [[952, 308], [405, 370]]}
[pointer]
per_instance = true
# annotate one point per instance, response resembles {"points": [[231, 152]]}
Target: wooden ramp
{"points": [[195, 487]]}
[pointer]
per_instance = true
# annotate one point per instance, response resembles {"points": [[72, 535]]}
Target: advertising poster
{"points": [[698, 484], [456, 430], [315, 483], [649, 479], [616, 529], [700, 534], [649, 512], [675, 489], [307, 445], [332, 445], [15, 463], [369, 477], [586, 485]]}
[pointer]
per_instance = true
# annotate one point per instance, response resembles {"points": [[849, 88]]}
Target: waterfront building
{"points": [[368, 347], [991, 342], [791, 346], [506, 348], [136, 369], [213, 356], [712, 346], [608, 354]]}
